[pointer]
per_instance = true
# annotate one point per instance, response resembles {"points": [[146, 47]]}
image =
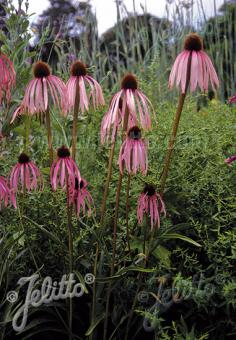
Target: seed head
{"points": [[78, 69], [41, 70], [23, 158], [193, 42], [149, 190], [129, 82], [63, 152], [135, 133]]}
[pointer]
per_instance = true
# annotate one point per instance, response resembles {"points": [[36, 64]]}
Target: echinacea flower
{"points": [[25, 174], [133, 152], [78, 80], [138, 105], [230, 160], [7, 77], [81, 198], [64, 170], [151, 204], [233, 99], [7, 196], [42, 89], [201, 68], [111, 123]]}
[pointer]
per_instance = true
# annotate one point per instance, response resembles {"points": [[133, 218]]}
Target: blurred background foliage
{"points": [[68, 29], [191, 286]]}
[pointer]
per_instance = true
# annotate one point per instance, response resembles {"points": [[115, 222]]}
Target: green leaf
{"points": [[180, 237], [94, 324]]}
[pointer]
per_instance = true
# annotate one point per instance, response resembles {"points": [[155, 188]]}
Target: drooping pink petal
{"points": [[201, 71], [151, 204]]}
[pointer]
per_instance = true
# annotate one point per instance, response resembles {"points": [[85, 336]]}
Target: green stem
{"points": [[127, 212], [49, 132], [94, 290], [75, 121], [27, 134], [70, 252], [140, 276], [106, 189], [171, 143], [175, 126], [69, 208], [118, 190]]}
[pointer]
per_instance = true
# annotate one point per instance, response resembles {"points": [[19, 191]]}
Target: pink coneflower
{"points": [[7, 195], [25, 174], [40, 90], [110, 124], [7, 77], [133, 152], [230, 160], [81, 198], [201, 71], [150, 203], [64, 170], [80, 78], [133, 100], [233, 99]]}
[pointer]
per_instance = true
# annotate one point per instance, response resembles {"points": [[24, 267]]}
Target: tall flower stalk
{"points": [[134, 111], [118, 190], [81, 88], [65, 173], [150, 206], [129, 99], [192, 68]]}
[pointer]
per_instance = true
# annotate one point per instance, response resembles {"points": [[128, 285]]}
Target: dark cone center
{"points": [[135, 133], [149, 190], [78, 69], [193, 42], [23, 158], [41, 70], [63, 152], [129, 82]]}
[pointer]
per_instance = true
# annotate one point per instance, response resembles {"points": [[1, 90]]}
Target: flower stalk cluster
{"points": [[129, 116]]}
